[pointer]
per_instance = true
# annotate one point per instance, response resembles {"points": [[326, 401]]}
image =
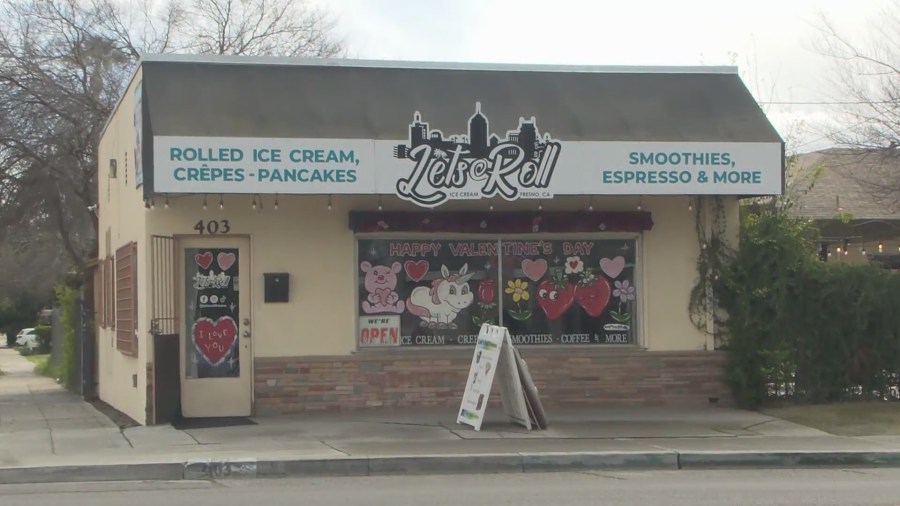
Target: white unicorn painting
{"points": [[439, 304]]}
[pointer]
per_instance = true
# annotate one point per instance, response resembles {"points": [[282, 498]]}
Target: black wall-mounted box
{"points": [[277, 286]]}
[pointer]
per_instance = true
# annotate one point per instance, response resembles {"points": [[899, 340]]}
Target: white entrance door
{"points": [[217, 358]]}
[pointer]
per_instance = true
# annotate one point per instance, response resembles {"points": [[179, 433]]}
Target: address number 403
{"points": [[212, 227]]}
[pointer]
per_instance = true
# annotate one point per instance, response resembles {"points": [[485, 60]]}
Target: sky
{"points": [[773, 43]]}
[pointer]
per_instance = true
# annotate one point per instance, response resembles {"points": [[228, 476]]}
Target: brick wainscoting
{"points": [[573, 377]]}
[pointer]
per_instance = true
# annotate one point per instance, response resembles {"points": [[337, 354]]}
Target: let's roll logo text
{"points": [[477, 164]]}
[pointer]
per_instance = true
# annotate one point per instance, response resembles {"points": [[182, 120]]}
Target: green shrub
{"points": [[44, 335], [67, 302], [804, 329], [43, 366]]}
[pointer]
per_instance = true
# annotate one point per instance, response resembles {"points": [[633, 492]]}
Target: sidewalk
{"points": [[47, 434]]}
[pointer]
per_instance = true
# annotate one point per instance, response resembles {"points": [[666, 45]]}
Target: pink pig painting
{"points": [[380, 282]]}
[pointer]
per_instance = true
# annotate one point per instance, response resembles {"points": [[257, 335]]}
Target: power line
{"points": [[827, 103], [822, 138]]}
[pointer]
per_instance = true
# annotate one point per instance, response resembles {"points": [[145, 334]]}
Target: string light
{"points": [[491, 206], [540, 205], [379, 203], [329, 202], [221, 202], [204, 202], [690, 204], [167, 201], [880, 247], [639, 206], [591, 204], [276, 201], [254, 202]]}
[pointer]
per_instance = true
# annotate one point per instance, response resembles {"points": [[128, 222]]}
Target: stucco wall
{"points": [[317, 248], [122, 211]]}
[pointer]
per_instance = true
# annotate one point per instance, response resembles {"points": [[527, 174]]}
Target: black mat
{"points": [[211, 422]]}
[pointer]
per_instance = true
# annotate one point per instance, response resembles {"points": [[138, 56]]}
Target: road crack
{"points": [[335, 448], [603, 475]]}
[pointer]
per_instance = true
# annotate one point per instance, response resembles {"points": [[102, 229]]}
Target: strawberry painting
{"points": [[555, 295], [592, 293]]}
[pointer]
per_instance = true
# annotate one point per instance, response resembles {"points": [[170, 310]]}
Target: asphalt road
{"points": [[672, 488]]}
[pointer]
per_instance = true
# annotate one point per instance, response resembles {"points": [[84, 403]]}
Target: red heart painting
{"points": [[416, 270], [214, 340], [204, 260], [225, 260]]}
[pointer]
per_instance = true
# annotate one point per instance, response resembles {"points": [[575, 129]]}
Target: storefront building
{"points": [[285, 236]]}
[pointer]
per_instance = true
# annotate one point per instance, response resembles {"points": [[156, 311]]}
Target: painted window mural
{"points": [[420, 292], [424, 293], [212, 312], [569, 291]]}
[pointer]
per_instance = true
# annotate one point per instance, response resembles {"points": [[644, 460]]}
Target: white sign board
{"points": [[430, 167], [493, 356], [379, 331], [481, 376]]}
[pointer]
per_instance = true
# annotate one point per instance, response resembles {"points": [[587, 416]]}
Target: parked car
{"points": [[27, 338]]}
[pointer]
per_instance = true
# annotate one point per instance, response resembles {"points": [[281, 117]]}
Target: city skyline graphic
{"points": [[478, 142]]}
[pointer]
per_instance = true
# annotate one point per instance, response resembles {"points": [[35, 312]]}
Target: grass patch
{"points": [[875, 418], [41, 364]]}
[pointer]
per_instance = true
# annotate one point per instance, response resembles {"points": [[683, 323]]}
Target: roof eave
{"points": [[436, 65]]}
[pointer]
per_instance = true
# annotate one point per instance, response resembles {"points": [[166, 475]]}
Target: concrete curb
{"points": [[761, 460], [103, 472], [250, 468]]}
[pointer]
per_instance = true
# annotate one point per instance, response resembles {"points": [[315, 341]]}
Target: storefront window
{"points": [[423, 293], [569, 291], [415, 292]]}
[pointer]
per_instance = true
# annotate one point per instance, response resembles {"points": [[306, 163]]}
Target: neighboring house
{"points": [[852, 195]]}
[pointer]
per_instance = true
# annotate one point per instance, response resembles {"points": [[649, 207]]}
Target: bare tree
{"points": [[283, 27], [63, 65], [237, 27], [58, 81], [866, 80]]}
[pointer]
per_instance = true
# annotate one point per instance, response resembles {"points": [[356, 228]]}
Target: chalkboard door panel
{"points": [[216, 327]]}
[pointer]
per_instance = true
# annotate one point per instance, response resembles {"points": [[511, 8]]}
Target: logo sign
{"points": [[477, 164], [430, 167]]}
